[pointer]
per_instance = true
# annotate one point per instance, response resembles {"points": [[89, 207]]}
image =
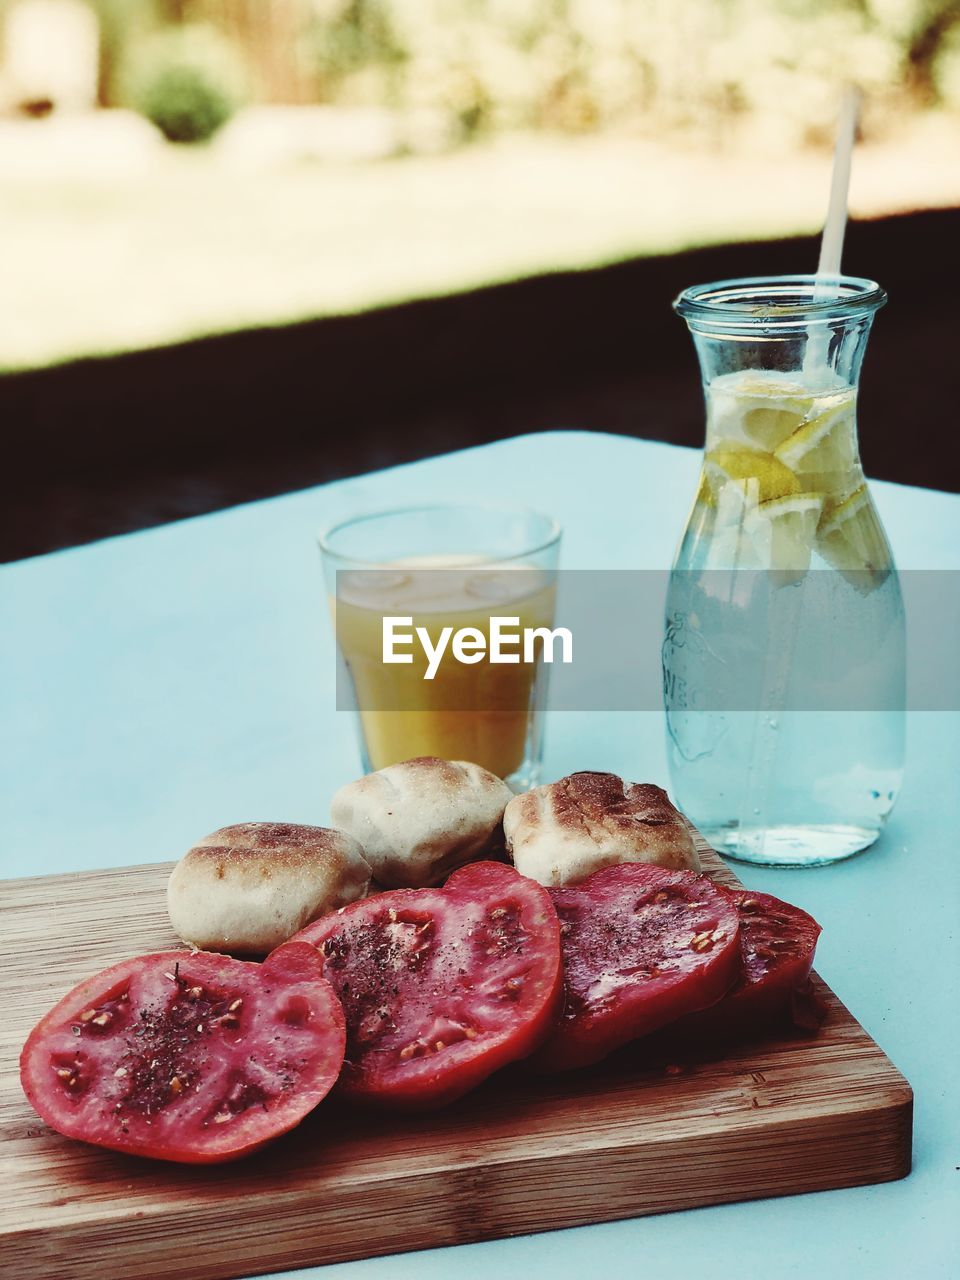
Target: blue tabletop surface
{"points": [[160, 685]]}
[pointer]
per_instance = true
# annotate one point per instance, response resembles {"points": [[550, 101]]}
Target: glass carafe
{"points": [[783, 655]]}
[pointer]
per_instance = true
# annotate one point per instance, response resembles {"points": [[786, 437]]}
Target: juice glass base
{"points": [[524, 778]]}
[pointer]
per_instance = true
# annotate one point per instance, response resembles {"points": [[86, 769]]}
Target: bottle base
{"points": [[790, 846]]}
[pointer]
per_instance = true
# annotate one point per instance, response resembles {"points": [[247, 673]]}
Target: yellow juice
{"points": [[482, 711]]}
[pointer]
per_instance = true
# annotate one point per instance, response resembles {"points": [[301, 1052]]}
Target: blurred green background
{"points": [[171, 168]]}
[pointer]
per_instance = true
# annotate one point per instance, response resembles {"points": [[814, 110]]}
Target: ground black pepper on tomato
{"points": [[184, 1056], [441, 987]]}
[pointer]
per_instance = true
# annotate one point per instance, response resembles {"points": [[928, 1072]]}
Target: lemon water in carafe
{"points": [[783, 653]]}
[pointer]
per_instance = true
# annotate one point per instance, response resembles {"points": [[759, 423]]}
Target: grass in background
{"points": [[184, 245]]}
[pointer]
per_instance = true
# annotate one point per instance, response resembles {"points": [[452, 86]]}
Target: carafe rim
{"points": [[761, 304]]}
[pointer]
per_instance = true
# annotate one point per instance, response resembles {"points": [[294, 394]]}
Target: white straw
{"points": [[831, 244]]}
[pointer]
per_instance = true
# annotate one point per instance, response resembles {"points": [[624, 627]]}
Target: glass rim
{"points": [[762, 302], [325, 537]]}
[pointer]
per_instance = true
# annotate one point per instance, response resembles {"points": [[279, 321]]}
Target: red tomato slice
{"points": [[187, 1056], [777, 944], [440, 987], [641, 946]]}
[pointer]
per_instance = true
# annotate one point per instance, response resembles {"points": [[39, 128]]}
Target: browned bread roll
{"points": [[421, 819], [245, 889], [560, 833]]}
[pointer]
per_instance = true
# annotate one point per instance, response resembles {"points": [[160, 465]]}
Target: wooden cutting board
{"points": [[521, 1154]]}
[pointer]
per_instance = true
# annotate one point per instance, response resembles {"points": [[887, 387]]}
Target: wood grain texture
{"points": [[521, 1154]]}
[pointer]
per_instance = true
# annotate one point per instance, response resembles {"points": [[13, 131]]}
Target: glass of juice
{"points": [[440, 572]]}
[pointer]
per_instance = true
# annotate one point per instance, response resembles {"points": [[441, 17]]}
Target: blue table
{"points": [[163, 684]]}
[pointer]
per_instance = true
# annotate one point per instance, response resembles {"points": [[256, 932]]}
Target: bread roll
{"points": [[246, 889], [421, 819], [559, 834]]}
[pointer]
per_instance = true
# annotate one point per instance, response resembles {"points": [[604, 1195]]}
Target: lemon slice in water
{"points": [[770, 424], [730, 462], [704, 493], [761, 407], [852, 540], [770, 418], [823, 451], [785, 529], [730, 546]]}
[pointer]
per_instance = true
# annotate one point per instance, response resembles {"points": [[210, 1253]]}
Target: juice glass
{"points": [[437, 567]]}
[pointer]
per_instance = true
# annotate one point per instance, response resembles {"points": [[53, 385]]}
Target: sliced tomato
{"points": [[777, 945], [187, 1056], [440, 987], [642, 945]]}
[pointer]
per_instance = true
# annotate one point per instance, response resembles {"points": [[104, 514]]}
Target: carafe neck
{"points": [[805, 331]]}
